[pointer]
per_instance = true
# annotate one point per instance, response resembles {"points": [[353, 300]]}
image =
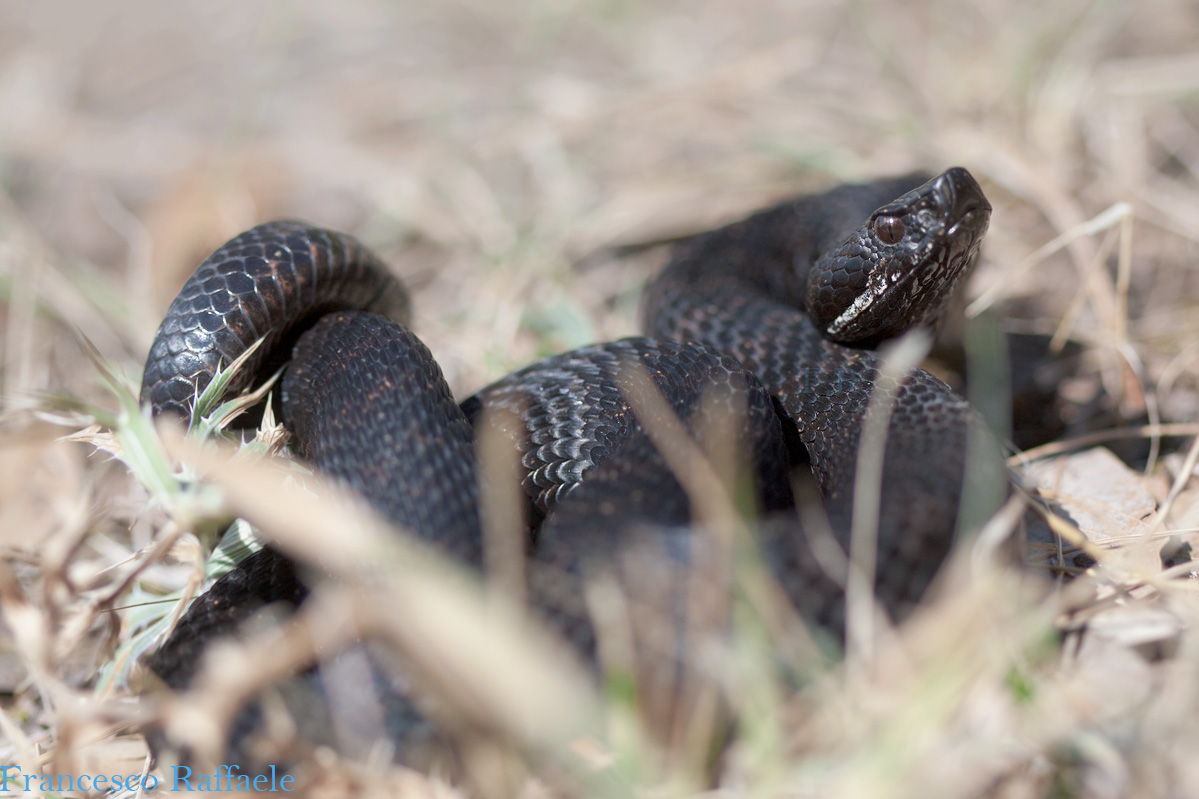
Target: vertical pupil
{"points": [[889, 229]]}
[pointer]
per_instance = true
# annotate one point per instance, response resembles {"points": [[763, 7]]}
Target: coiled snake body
{"points": [[774, 316]]}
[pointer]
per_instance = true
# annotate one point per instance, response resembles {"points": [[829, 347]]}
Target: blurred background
{"points": [[504, 155], [493, 149]]}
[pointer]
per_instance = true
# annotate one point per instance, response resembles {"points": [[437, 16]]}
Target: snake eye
{"points": [[889, 229]]}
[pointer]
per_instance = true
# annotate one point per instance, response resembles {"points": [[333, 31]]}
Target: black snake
{"points": [[774, 316]]}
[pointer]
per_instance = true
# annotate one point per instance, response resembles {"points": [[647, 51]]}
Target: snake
{"points": [[771, 324]]}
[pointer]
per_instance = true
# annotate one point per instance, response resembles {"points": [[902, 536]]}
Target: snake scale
{"points": [[768, 324]]}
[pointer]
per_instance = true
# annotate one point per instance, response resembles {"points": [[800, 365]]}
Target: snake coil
{"points": [[775, 317]]}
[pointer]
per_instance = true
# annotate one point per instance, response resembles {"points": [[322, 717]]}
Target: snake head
{"points": [[899, 269]]}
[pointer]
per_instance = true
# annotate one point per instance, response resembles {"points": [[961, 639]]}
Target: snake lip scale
{"points": [[771, 320]]}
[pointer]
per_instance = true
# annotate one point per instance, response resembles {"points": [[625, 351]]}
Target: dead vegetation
{"points": [[496, 153]]}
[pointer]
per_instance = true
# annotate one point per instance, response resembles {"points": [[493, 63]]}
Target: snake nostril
{"points": [[945, 192]]}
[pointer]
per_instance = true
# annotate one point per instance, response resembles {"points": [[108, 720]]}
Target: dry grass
{"points": [[494, 152]]}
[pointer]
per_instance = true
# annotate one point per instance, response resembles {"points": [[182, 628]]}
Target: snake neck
{"points": [[773, 253], [744, 289]]}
